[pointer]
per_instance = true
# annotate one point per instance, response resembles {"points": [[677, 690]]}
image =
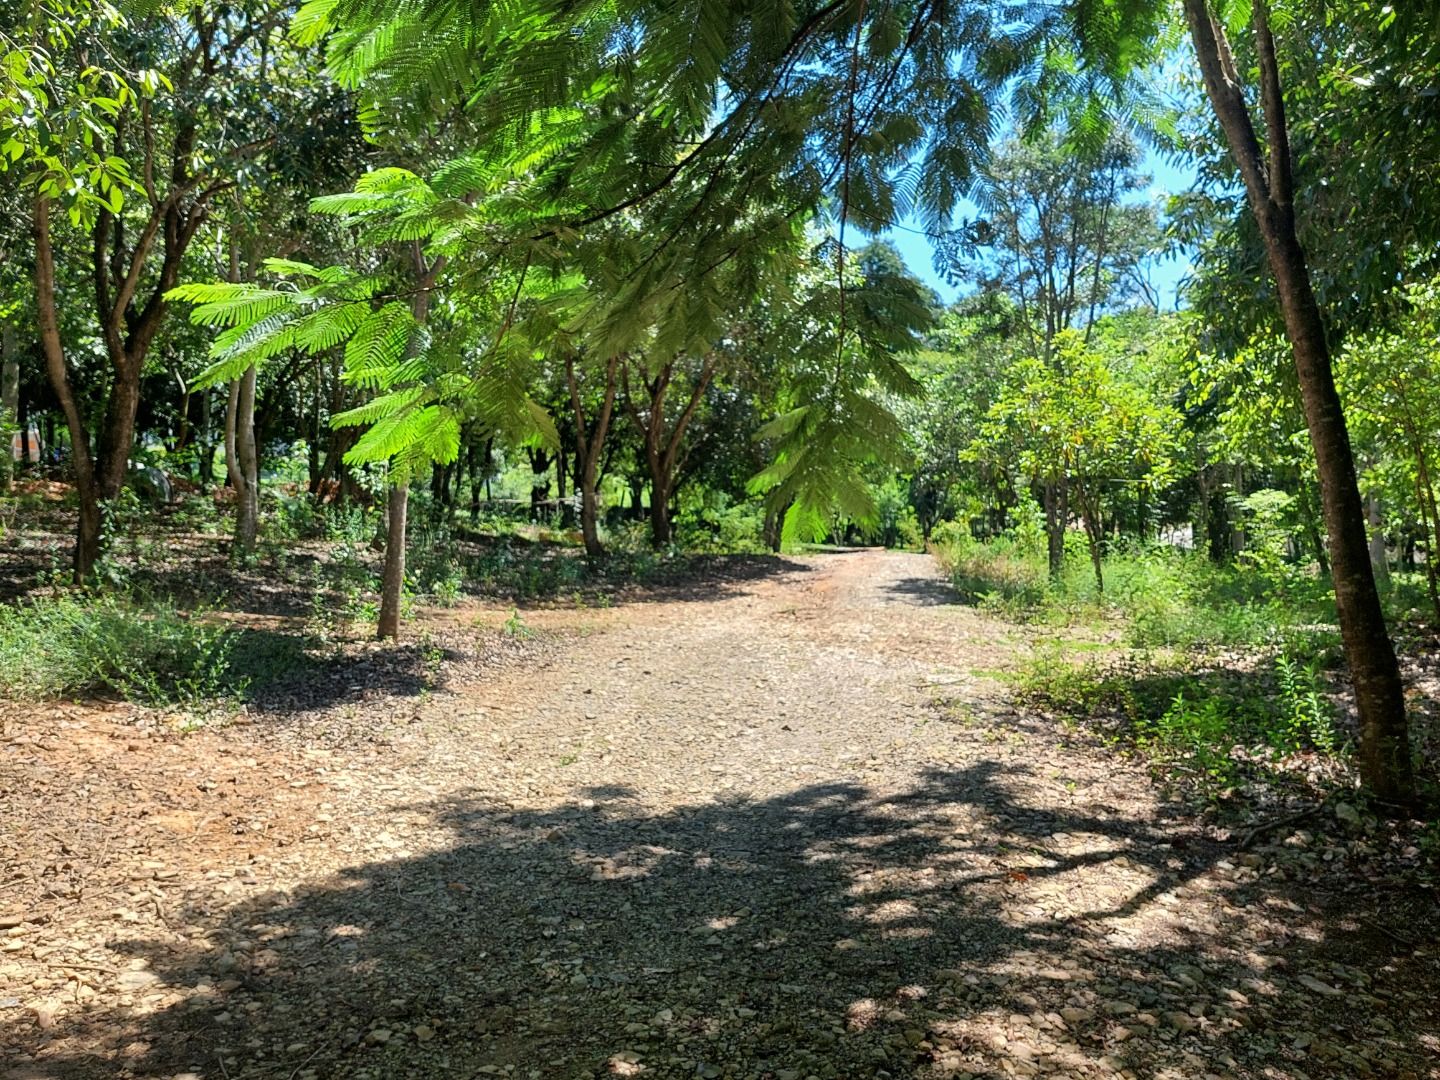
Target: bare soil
{"points": [[773, 825]]}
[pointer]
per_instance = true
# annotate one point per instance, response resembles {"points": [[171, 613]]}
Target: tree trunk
{"points": [[1055, 514], [1385, 764], [9, 402], [1429, 531], [773, 531], [23, 413], [1090, 518], [539, 481], [232, 458], [636, 509], [392, 585], [247, 474], [588, 447], [562, 475], [1379, 559], [489, 467], [473, 450], [659, 514], [118, 437], [87, 537], [312, 443], [205, 442], [662, 451]]}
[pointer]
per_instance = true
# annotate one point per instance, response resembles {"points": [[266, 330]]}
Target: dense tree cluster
{"points": [[635, 253]]}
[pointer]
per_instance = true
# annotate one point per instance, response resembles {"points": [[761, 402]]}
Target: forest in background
{"points": [[397, 305]]}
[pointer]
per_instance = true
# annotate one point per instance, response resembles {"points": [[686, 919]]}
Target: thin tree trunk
{"points": [[87, 537], [562, 474], [232, 458], [659, 515], [539, 481], [392, 585], [247, 475], [312, 443], [205, 441], [662, 452], [1379, 558], [1090, 516], [1385, 764], [24, 416], [473, 452], [183, 431], [1429, 530], [588, 447], [1054, 529], [773, 532], [9, 402]]}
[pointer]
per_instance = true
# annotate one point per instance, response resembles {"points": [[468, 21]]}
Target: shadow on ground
{"points": [[832, 931], [925, 591]]}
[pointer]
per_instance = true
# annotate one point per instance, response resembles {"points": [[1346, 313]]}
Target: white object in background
{"points": [[15, 447]]}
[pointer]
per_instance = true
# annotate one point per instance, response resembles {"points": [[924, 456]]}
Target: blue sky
{"points": [[1167, 178]]}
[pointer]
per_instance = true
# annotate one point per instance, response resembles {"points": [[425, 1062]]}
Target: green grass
{"points": [[146, 651], [1159, 596], [1208, 727], [1215, 672]]}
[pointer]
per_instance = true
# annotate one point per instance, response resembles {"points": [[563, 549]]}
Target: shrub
{"points": [[718, 524], [1164, 596], [147, 652], [1000, 574], [1209, 726]]}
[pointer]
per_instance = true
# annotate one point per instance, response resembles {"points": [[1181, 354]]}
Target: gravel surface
{"points": [[774, 826]]}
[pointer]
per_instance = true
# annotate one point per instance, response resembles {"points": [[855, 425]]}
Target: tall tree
{"points": [[590, 435], [158, 129], [1059, 232], [1266, 170]]}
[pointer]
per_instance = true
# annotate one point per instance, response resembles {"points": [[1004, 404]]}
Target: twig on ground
{"points": [[87, 967], [1388, 932], [296, 1071], [1289, 819]]}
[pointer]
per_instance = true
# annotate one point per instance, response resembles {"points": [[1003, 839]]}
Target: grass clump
{"points": [[146, 651], [1160, 596], [1209, 727]]}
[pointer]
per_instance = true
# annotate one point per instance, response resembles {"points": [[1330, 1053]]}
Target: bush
{"points": [[147, 652], [1211, 727], [717, 524], [1000, 574], [1165, 596]]}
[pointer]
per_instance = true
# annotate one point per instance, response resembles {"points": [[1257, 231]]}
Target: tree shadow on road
{"points": [[834, 930], [925, 591]]}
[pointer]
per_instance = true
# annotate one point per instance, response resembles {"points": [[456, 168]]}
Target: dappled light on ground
{"points": [[744, 838]]}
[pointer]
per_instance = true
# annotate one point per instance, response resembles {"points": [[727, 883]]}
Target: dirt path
{"points": [[776, 827]]}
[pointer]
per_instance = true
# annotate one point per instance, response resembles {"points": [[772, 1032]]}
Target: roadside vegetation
{"points": [[331, 314]]}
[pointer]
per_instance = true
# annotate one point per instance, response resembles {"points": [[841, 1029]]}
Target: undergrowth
{"points": [[1210, 727], [1158, 595], [142, 650]]}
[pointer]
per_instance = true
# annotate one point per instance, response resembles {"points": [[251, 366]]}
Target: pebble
{"points": [[1323, 989]]}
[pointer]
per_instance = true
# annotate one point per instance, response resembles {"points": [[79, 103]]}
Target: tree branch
{"points": [[1272, 104]]}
